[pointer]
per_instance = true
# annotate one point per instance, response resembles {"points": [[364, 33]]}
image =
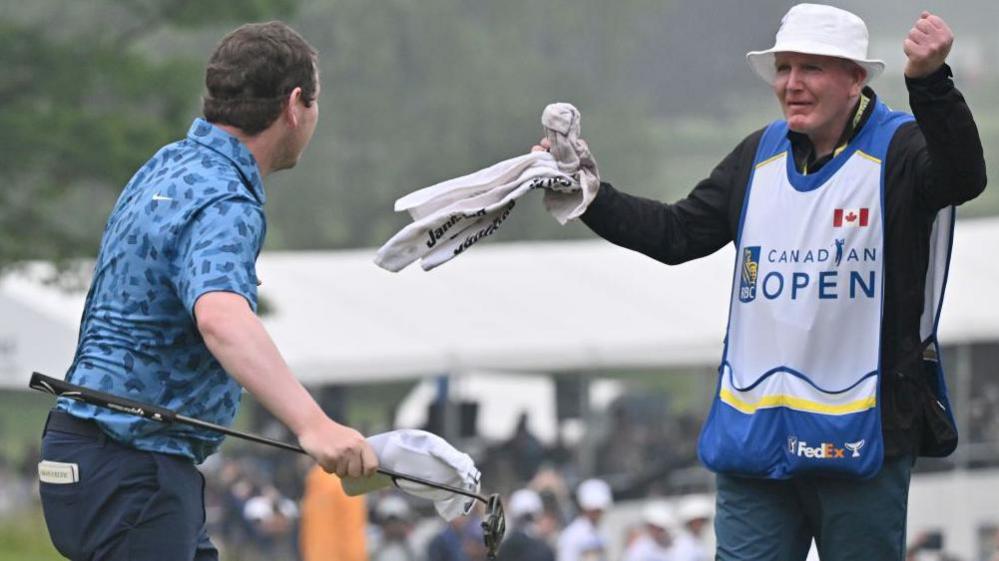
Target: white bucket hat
{"points": [[594, 494], [817, 29], [392, 506], [659, 514], [524, 502], [694, 507], [424, 455]]}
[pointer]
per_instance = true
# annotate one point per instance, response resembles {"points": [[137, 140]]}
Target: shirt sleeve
{"points": [[943, 154], [693, 227], [218, 252]]}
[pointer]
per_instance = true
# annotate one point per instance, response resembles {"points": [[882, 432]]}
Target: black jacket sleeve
{"points": [[696, 226], [943, 151]]}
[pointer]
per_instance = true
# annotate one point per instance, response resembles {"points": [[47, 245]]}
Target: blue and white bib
{"points": [[799, 380]]}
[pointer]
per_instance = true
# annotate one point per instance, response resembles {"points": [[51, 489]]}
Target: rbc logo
{"points": [[750, 272]]}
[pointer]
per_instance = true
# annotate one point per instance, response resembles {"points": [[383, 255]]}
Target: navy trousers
{"points": [[127, 505], [850, 520]]}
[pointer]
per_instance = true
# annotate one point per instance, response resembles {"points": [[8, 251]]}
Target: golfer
{"points": [[170, 319], [841, 213]]}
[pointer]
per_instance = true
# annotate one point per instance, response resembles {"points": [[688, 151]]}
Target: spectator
{"points": [[395, 522], [461, 540], [581, 540], [694, 512], [928, 546], [621, 450], [656, 541], [272, 516], [525, 450], [236, 490], [550, 485], [333, 524], [995, 546], [524, 542]]}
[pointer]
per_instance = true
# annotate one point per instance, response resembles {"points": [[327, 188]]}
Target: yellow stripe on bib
{"points": [[771, 159], [863, 154], [796, 403]]}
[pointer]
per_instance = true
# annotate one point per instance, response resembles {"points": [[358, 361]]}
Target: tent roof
{"points": [[540, 307], [527, 306], [565, 306]]}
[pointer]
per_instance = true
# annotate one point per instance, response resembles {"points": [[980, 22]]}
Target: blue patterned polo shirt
{"points": [[189, 222]]}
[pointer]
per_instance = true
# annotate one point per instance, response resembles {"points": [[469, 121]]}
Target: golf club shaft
{"points": [[62, 388]]}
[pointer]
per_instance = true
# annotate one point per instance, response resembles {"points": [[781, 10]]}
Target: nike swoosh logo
{"points": [[158, 197]]}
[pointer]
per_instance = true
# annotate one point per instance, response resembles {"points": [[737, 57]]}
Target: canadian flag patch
{"points": [[847, 217]]}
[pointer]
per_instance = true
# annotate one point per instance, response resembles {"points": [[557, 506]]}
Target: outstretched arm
{"points": [[238, 340], [696, 226]]}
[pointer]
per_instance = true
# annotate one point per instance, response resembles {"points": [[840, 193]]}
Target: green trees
{"points": [[88, 90], [414, 92]]}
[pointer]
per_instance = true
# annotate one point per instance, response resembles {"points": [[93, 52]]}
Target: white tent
{"points": [[38, 328], [527, 306], [531, 307]]}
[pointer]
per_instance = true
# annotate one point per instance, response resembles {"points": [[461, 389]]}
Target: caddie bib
{"points": [[799, 380]]}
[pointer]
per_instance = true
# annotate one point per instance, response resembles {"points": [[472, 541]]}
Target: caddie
{"points": [[830, 383]]}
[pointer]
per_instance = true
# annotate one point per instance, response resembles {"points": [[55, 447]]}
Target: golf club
{"points": [[493, 525]]}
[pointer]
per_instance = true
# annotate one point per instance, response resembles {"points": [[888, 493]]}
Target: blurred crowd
{"points": [[254, 516], [983, 412], [278, 508], [623, 491], [270, 505]]}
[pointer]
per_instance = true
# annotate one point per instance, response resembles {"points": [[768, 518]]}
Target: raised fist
{"points": [[927, 45]]}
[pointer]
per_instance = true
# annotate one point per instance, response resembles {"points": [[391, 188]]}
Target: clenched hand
{"points": [[927, 45], [339, 449]]}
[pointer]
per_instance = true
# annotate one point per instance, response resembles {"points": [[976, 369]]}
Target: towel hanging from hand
{"points": [[453, 215]]}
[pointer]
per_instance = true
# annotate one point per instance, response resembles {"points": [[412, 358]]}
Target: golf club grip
{"points": [[63, 388]]}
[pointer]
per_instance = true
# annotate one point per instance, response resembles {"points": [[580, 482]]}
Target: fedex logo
{"points": [[824, 451]]}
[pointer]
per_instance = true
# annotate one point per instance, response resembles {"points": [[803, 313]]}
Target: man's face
{"points": [[660, 535], [696, 525], [594, 515], [816, 93], [307, 126], [298, 137]]}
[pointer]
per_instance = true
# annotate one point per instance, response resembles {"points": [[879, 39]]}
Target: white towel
{"points": [[561, 122], [451, 216]]}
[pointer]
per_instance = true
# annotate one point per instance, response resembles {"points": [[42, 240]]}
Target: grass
{"points": [[23, 537], [22, 415]]}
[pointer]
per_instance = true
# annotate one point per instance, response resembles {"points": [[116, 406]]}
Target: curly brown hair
{"points": [[253, 70]]}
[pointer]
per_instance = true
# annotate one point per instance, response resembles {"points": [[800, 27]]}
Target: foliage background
{"points": [[414, 92]]}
